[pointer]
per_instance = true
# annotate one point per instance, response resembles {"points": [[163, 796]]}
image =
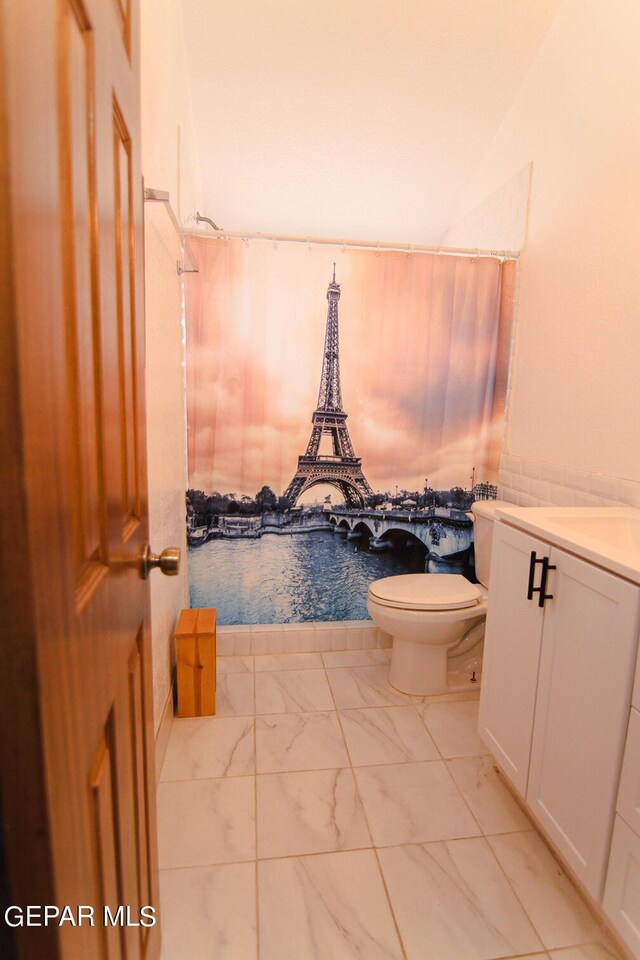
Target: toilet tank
{"points": [[484, 516]]}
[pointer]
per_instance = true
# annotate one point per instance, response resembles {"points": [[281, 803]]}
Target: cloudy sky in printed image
{"points": [[419, 337]]}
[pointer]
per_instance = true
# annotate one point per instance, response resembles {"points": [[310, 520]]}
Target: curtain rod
{"points": [[362, 244]]}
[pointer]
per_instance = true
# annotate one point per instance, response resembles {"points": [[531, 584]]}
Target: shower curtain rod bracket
{"points": [[180, 267], [162, 196]]}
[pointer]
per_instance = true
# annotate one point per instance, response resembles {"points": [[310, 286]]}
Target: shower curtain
{"points": [[344, 407]]}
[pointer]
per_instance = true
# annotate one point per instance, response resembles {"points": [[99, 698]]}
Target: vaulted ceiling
{"points": [[362, 119]]}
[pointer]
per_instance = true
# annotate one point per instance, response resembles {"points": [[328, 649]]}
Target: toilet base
{"points": [[421, 669]]}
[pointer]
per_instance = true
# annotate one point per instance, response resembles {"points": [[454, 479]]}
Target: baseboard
{"points": [[164, 731]]}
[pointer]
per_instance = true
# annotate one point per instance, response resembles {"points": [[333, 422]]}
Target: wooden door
{"points": [[589, 646], [77, 764], [511, 654]]}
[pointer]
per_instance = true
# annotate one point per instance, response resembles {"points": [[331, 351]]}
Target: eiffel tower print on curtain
{"points": [[342, 468]]}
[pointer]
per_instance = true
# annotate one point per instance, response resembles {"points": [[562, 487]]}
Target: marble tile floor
{"points": [[322, 815]]}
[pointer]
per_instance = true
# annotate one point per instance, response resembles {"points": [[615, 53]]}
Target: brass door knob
{"points": [[168, 561]]}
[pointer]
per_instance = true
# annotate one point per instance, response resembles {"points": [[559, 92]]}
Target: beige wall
{"points": [[165, 438], [168, 149], [166, 165], [576, 390], [351, 118]]}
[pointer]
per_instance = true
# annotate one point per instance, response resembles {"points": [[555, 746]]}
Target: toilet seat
{"points": [[425, 591]]}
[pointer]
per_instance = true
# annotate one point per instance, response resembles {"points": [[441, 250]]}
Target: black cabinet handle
{"points": [[532, 572], [542, 589]]}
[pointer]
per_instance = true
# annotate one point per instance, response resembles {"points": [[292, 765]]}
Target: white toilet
{"points": [[428, 614]]}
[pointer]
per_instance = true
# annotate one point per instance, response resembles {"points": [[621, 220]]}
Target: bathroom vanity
{"points": [[556, 710]]}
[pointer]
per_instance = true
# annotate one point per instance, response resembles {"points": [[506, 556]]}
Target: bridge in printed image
{"points": [[444, 533]]}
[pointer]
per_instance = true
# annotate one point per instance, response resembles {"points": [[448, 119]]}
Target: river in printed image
{"points": [[291, 579]]}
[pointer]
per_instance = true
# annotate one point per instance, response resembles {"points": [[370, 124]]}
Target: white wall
{"points": [[573, 419], [351, 118], [168, 146], [167, 164], [499, 222]]}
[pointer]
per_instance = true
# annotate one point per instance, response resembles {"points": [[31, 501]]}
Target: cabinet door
{"points": [[622, 893], [511, 654], [629, 793], [582, 708]]}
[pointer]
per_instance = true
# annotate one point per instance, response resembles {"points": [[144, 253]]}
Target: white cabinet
{"points": [[622, 893], [511, 655], [587, 662], [556, 690], [635, 698], [629, 794], [622, 890]]}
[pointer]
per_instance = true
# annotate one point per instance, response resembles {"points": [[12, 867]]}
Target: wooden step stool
{"points": [[196, 662]]}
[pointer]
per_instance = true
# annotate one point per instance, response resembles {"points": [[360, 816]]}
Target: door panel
{"points": [[74, 241], [511, 655], [622, 892], [81, 304], [105, 832], [126, 305], [139, 696], [582, 708], [629, 793]]}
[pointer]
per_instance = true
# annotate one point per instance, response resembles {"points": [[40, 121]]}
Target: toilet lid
{"points": [[425, 591]]}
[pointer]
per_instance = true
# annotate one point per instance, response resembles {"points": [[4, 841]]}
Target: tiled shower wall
{"points": [[535, 483], [300, 638]]}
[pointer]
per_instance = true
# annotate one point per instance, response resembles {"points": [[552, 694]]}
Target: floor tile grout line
{"points": [[373, 845], [240, 776], [485, 833], [255, 813], [518, 898], [226, 776], [430, 735], [446, 759], [453, 779], [486, 836], [380, 763], [388, 896], [287, 693], [312, 713], [464, 800], [206, 866], [351, 766]]}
